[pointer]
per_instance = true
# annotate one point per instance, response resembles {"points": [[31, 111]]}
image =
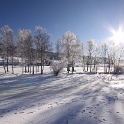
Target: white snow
{"points": [[77, 98]]}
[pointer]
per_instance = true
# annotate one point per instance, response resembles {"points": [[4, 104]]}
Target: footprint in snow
{"points": [[32, 105], [8, 110], [83, 111], [104, 120], [95, 117], [97, 105], [21, 112], [100, 121], [3, 111], [29, 112]]}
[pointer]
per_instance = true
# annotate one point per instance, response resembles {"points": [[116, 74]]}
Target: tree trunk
{"points": [[87, 65], [109, 66], [90, 63], [72, 69], [90, 67], [37, 61], [68, 68], [33, 69], [72, 66], [30, 64], [30, 59], [96, 68], [25, 69], [22, 66], [28, 67], [25, 66], [7, 64], [84, 67], [36, 67], [7, 60], [4, 66], [41, 62], [104, 65], [12, 66]]}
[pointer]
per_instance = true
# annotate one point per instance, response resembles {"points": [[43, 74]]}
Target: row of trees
{"points": [[109, 55], [33, 50], [30, 49]]}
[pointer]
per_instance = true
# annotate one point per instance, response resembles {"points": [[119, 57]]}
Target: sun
{"points": [[118, 36]]}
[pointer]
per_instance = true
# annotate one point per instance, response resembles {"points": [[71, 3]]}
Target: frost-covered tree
{"points": [[104, 50], [42, 39], [28, 48], [58, 48], [75, 54], [82, 56], [96, 57], [70, 44], [90, 50], [109, 57], [56, 67], [33, 55], [7, 37], [24, 43], [2, 52], [37, 53], [119, 58]]}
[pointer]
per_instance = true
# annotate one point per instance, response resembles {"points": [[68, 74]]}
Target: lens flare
{"points": [[118, 36]]}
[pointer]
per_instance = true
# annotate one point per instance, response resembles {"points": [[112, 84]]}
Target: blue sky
{"points": [[86, 18]]}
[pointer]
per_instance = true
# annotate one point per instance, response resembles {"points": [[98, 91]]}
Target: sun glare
{"points": [[118, 36]]}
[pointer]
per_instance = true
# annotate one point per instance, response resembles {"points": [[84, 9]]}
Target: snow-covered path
{"points": [[67, 99]]}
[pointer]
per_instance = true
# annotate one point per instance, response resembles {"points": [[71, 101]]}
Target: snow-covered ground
{"points": [[67, 99]]}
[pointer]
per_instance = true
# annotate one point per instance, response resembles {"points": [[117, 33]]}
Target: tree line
{"points": [[33, 51], [91, 56]]}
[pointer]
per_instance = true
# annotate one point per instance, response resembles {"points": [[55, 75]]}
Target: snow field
{"points": [[67, 99]]}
